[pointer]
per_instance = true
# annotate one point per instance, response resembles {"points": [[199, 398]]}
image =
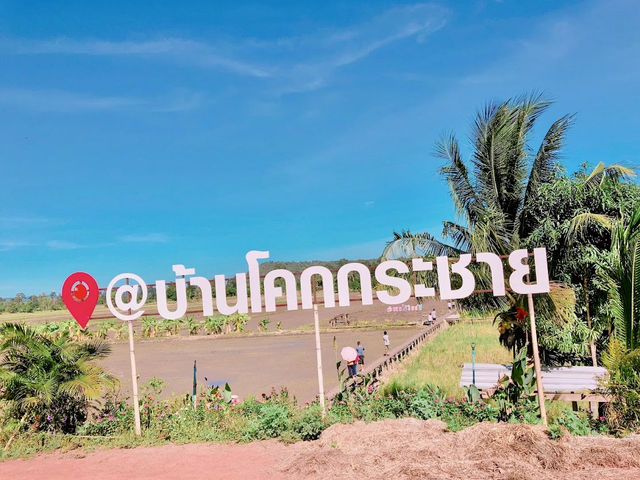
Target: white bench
{"points": [[570, 384]]}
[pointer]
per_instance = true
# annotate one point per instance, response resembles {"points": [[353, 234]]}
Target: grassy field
{"points": [[440, 361]]}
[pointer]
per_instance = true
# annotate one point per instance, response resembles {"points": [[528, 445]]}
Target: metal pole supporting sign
{"points": [[473, 363]]}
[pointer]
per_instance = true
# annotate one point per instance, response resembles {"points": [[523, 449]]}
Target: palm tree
{"points": [[624, 274], [49, 381], [490, 193]]}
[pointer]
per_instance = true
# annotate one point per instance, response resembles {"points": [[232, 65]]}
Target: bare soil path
{"points": [[405, 449]]}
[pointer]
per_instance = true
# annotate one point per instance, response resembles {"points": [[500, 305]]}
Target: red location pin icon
{"points": [[80, 294]]}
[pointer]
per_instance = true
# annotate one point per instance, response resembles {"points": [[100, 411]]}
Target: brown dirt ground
{"points": [[254, 364], [403, 449], [251, 365]]}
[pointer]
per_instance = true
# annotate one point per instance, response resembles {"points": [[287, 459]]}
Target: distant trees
{"points": [[21, 304]]}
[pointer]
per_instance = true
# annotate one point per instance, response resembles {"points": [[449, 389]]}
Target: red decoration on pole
{"points": [[80, 294]]}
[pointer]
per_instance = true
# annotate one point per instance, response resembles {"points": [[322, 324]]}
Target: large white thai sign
{"points": [[127, 301]]}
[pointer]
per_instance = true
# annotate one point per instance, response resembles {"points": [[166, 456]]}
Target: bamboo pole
{"points": [[134, 381], [134, 378], [316, 323], [536, 361]]}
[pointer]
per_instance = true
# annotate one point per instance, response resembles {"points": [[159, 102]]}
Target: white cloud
{"points": [[63, 245], [6, 245], [176, 50], [76, 102], [295, 64], [145, 238], [329, 52], [57, 100]]}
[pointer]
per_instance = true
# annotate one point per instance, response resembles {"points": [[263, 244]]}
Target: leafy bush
{"points": [[274, 420], [576, 423], [515, 397], [309, 424], [623, 386], [48, 380]]}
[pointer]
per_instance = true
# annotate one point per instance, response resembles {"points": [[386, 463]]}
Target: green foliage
{"points": [[472, 393], [623, 386], [309, 424], [515, 398], [274, 420], [214, 325], [511, 195], [193, 326], [439, 361], [576, 423], [239, 321], [48, 381]]}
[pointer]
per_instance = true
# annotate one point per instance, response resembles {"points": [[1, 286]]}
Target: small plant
{"points": [[309, 425], [149, 327], [263, 324], [239, 321], [192, 325], [214, 325], [576, 423], [274, 420], [515, 396]]}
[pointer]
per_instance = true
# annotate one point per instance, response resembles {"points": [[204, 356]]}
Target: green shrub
{"points": [[309, 424], [623, 386], [576, 423], [274, 420]]}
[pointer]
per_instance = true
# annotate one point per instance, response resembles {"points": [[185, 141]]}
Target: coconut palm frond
{"points": [[558, 305], [614, 172], [526, 111], [96, 349], [490, 137], [460, 235], [408, 245], [456, 174], [582, 221], [545, 163]]}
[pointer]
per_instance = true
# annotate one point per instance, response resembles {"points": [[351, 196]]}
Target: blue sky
{"points": [[136, 135]]}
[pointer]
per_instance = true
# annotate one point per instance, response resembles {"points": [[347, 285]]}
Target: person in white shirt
{"points": [[385, 339]]}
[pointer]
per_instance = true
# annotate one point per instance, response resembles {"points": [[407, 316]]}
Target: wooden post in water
{"points": [[134, 378], [316, 324], [536, 361]]}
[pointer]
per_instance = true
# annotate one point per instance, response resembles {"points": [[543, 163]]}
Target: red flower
{"points": [[521, 314]]}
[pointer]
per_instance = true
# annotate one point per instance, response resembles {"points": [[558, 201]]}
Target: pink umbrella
{"points": [[349, 354]]}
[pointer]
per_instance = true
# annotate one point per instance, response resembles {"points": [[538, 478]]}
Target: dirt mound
{"points": [[390, 450], [411, 449]]}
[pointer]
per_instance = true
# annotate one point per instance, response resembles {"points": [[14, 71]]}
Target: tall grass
{"points": [[439, 363]]}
